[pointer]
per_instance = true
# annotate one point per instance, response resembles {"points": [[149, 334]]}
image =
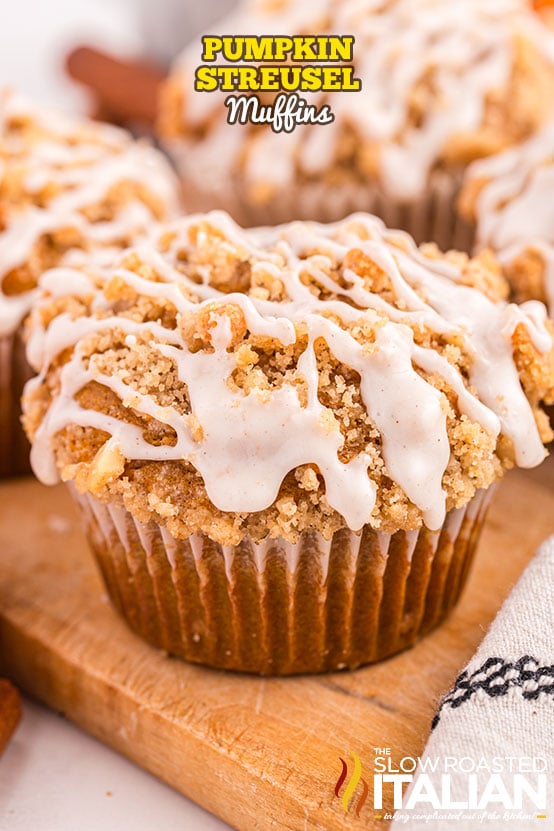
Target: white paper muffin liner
{"points": [[431, 218], [279, 608]]}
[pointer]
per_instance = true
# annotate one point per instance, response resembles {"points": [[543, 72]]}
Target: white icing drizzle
{"points": [[251, 441], [463, 48], [85, 161], [515, 208]]}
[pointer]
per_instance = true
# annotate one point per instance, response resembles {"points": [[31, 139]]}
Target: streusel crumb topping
{"points": [[71, 191], [267, 381]]}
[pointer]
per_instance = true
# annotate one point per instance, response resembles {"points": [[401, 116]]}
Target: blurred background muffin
{"points": [[510, 198], [71, 191], [442, 84]]}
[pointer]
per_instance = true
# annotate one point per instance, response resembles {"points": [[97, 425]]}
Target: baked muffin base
{"points": [[276, 608], [431, 218], [14, 372]]}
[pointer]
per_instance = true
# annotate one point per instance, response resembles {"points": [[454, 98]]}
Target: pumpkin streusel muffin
{"points": [[510, 199], [443, 83], [70, 190], [283, 439]]}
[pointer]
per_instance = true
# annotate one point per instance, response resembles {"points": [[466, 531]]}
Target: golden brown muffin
{"points": [[307, 417]]}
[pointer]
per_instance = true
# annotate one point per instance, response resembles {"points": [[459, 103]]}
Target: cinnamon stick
{"points": [[125, 91]]}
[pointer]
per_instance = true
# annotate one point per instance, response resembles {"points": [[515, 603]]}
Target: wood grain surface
{"points": [[260, 753]]}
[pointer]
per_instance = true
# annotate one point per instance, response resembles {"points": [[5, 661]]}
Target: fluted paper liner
{"points": [[281, 608], [14, 372], [432, 217]]}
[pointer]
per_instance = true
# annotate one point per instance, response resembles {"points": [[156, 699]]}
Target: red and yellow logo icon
{"points": [[354, 779]]}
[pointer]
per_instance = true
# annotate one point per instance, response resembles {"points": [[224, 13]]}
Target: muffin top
{"points": [[68, 186], [443, 83], [510, 198], [271, 380]]}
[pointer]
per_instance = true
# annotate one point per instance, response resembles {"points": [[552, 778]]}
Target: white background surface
{"points": [[36, 35], [53, 777]]}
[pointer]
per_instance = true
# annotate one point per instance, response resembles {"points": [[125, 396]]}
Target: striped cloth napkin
{"points": [[492, 742]]}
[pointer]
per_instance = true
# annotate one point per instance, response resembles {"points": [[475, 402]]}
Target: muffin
{"points": [[283, 440], [509, 198], [70, 190], [443, 83]]}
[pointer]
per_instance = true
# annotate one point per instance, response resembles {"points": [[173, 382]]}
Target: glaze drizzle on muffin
{"points": [[70, 189], [327, 374], [509, 197], [442, 83]]}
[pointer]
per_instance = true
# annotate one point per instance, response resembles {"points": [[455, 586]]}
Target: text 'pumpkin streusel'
{"points": [[296, 398]]}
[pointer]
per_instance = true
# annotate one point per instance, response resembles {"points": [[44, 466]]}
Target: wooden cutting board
{"points": [[260, 753]]}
